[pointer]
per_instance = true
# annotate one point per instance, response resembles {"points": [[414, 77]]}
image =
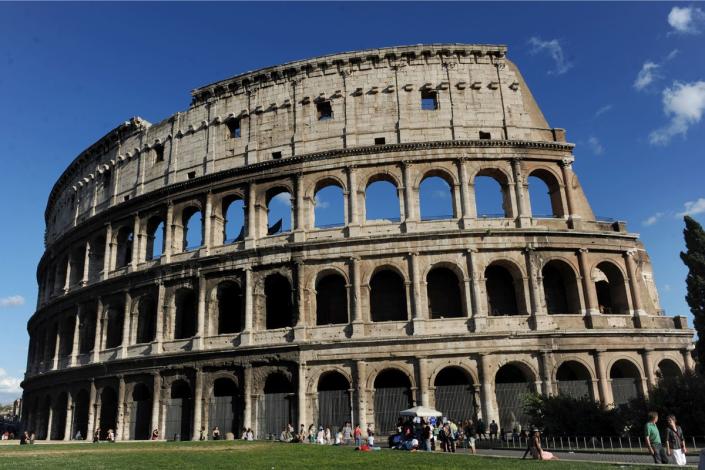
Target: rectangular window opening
{"points": [[429, 100], [485, 135], [127, 198], [325, 110], [159, 153], [380, 141], [234, 128], [191, 175], [276, 155]]}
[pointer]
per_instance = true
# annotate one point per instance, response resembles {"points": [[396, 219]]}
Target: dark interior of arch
{"points": [[80, 414], [623, 369], [97, 257], [66, 339], [140, 412], [331, 300], [124, 247], [444, 297], [452, 376], [58, 423], [278, 383], [186, 313], [392, 378], [501, 293], [179, 409], [510, 373], [86, 332], [279, 305], [560, 289], [611, 293], [116, 317], [333, 381], [108, 411], [146, 319], [180, 389], [231, 308], [667, 369], [572, 370], [387, 297], [224, 387]]}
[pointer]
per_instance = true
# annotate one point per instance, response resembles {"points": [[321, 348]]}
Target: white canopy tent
{"points": [[421, 412]]}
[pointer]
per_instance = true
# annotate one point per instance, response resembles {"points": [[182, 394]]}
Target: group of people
{"points": [[345, 435], [675, 443], [109, 436]]}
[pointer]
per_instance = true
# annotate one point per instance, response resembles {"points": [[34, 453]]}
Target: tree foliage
{"points": [[694, 258]]}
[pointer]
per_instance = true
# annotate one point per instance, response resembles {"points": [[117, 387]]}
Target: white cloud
{"points": [[9, 384], [282, 198], [652, 220], [555, 50], [686, 20], [693, 207], [603, 110], [647, 75], [684, 103], [672, 54], [321, 204], [440, 194], [11, 301], [596, 146]]}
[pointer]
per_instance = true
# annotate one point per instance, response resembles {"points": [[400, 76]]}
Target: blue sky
{"points": [[626, 80]]}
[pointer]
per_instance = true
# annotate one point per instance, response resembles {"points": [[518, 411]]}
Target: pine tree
{"points": [[694, 258]]}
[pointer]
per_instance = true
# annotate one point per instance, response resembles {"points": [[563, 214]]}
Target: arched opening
{"points": [[387, 297], [155, 238], [276, 407], [231, 308], [185, 314], [108, 411], [96, 258], [140, 413], [43, 422], [512, 385], [66, 336], [545, 195], [233, 220], [58, 419], [435, 199], [329, 209], [492, 197], [560, 288], [333, 400], [76, 260], [444, 295], [80, 415], [502, 291], [279, 305], [86, 334], [392, 391], [610, 288], [50, 346], [178, 412], [668, 370], [279, 211], [331, 300], [146, 319], [226, 409], [455, 394], [125, 238], [574, 380], [625, 379], [192, 222], [382, 201], [115, 318]]}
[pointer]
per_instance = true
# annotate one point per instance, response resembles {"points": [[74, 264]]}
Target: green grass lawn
{"points": [[253, 455]]}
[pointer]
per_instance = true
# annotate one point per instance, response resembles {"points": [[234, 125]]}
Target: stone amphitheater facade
{"points": [[344, 323]]}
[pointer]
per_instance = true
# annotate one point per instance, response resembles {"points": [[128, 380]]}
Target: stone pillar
{"points": [[423, 382], [159, 327], [49, 423], [478, 310], [300, 294], [588, 286], [361, 385], [546, 379], [67, 280], [168, 233], [538, 312], [688, 362], [300, 219], [419, 314], [647, 356], [247, 397], [566, 167], [208, 223], [486, 388], [86, 264], [120, 425], [354, 272], [602, 378], [69, 417], [301, 395], [468, 210], [156, 400], [197, 405], [247, 332], [634, 283], [136, 241], [411, 217], [76, 336], [57, 346], [251, 228], [201, 313], [126, 320], [108, 257], [91, 412], [522, 207]]}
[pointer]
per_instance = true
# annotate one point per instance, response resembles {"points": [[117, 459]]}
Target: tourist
{"points": [[155, 434], [338, 438], [535, 447], [32, 436], [370, 436], [357, 434], [202, 435], [329, 436], [480, 428], [493, 430], [675, 444], [312, 434], [347, 433], [24, 440], [286, 435], [216, 434], [111, 435], [321, 436], [250, 435], [78, 436], [96, 436], [426, 436], [653, 439]]}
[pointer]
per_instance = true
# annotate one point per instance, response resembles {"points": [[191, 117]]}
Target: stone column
{"points": [[198, 341], [468, 211], [208, 223], [478, 310], [688, 359], [248, 331], [537, 308], [300, 324], [108, 257], [634, 283], [588, 286], [168, 233], [602, 380], [197, 404], [299, 222], [156, 400], [120, 425], [86, 264], [419, 314], [423, 382], [247, 397], [49, 423], [567, 169], [251, 228], [67, 280], [127, 317], [410, 214], [69, 417], [136, 241], [57, 346], [647, 356], [91, 411], [159, 327], [301, 395], [486, 388], [523, 212], [353, 216], [546, 379], [76, 336], [361, 385]]}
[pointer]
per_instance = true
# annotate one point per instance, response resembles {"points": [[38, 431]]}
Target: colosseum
{"points": [[171, 297]]}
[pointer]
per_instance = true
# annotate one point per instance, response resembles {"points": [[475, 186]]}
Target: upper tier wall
{"points": [[373, 94]]}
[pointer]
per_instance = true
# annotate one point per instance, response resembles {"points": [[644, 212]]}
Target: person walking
{"points": [[358, 435], [653, 439], [493, 430], [675, 444]]}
